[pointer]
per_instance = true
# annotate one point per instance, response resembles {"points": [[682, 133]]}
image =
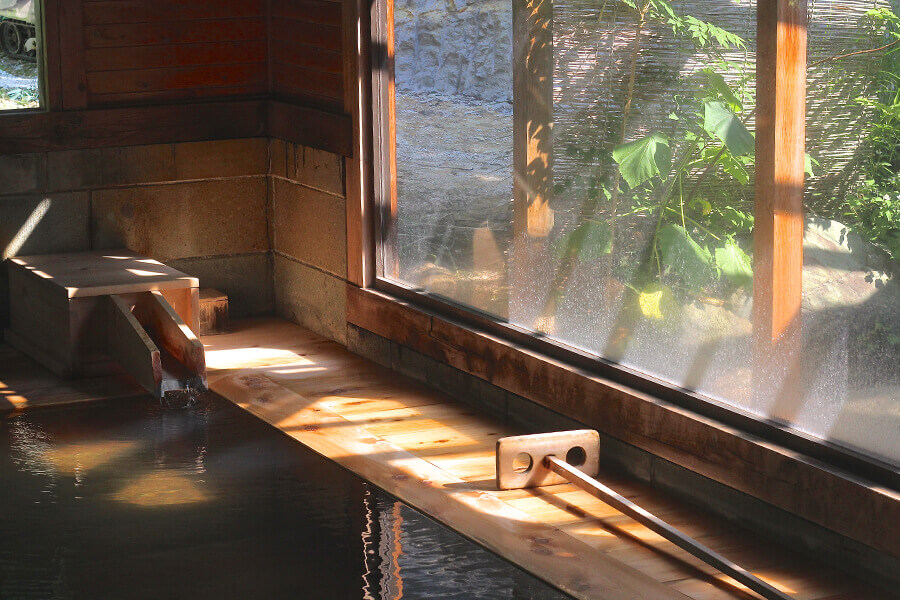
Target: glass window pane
{"points": [[585, 169], [851, 296], [454, 148], [19, 63]]}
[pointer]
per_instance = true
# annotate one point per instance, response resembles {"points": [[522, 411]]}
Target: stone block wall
{"points": [[261, 220], [200, 207], [308, 234]]}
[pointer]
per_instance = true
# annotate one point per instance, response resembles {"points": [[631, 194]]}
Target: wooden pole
{"points": [[778, 225], [657, 525]]}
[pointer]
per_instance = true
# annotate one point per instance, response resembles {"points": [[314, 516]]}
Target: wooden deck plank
{"points": [[555, 556]]}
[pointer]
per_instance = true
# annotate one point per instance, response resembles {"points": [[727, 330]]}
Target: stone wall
{"points": [[261, 220], [199, 207], [308, 231], [454, 47]]}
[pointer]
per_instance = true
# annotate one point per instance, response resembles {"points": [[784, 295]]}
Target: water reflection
{"points": [[130, 499]]}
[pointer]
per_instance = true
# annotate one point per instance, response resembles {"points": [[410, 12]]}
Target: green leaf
{"points": [[657, 302], [701, 204], [734, 263], [591, 237], [683, 255], [644, 159], [808, 162], [735, 168], [718, 84], [722, 123]]}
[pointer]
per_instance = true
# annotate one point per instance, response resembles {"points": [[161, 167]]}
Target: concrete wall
{"points": [[199, 207]]}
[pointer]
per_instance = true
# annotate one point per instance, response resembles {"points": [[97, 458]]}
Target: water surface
{"points": [[129, 499]]}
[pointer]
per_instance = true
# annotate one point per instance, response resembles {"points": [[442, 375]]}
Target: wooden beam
{"points": [[71, 49], [384, 137], [310, 127], [529, 272], [778, 225], [161, 124], [51, 55], [171, 333]]}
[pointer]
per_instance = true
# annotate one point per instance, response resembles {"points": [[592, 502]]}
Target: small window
{"points": [[20, 62]]}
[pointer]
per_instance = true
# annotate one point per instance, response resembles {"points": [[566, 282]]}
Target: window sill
{"points": [[827, 495]]}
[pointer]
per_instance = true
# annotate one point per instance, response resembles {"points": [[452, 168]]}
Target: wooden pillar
{"points": [[533, 116], [532, 153], [778, 228]]}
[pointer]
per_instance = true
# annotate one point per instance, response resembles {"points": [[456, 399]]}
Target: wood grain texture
{"points": [[358, 167], [167, 11], [132, 126], [460, 441], [533, 118], [171, 333], [778, 218], [841, 502], [568, 563], [310, 127], [52, 93], [100, 273], [71, 52], [132, 346], [307, 42]]}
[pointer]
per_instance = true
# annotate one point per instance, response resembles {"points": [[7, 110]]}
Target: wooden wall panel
{"points": [[306, 53], [114, 68], [144, 51]]}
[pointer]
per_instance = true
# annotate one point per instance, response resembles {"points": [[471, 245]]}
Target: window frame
{"points": [[411, 317]]}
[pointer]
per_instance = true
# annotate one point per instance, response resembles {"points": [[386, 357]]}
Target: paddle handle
{"points": [[657, 525]]}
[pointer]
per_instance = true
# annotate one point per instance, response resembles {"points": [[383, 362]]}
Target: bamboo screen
{"points": [[592, 46]]}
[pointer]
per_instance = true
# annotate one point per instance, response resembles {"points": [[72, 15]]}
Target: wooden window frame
{"points": [[820, 481]]}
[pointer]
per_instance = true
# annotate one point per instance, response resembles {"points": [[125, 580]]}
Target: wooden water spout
{"points": [[98, 313], [150, 341]]}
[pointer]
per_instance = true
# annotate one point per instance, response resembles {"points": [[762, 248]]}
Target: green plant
{"points": [[873, 208], [662, 177], [20, 97]]}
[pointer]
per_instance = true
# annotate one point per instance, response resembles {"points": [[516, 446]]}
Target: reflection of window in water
{"points": [[19, 63]]}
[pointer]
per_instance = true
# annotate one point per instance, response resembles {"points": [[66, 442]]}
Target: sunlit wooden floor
{"points": [[438, 455]]}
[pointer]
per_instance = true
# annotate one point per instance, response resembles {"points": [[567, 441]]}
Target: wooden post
{"points": [[780, 150], [358, 167], [533, 116], [532, 153]]}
